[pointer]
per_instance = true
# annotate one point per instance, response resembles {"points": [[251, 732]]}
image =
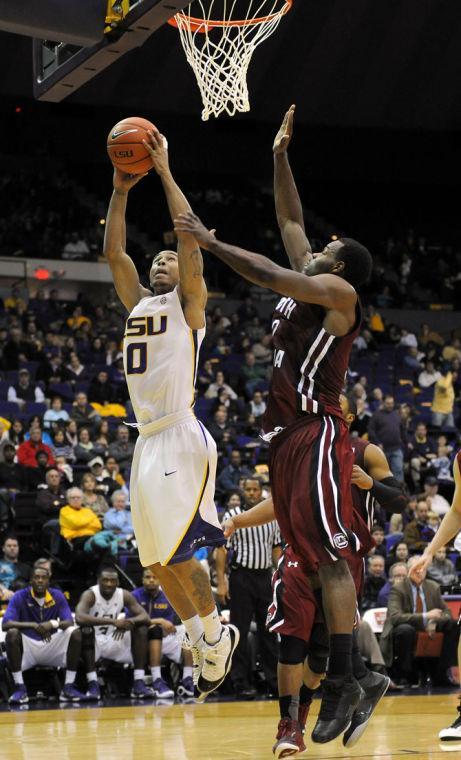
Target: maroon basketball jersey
{"points": [[310, 365], [363, 501]]}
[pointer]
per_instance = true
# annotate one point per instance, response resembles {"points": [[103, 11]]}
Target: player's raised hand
{"points": [[190, 222], [124, 182], [361, 479], [157, 146], [420, 565], [228, 527], [283, 136]]}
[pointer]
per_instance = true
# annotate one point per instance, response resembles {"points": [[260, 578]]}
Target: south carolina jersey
{"points": [[106, 608], [310, 365], [160, 354], [363, 500]]}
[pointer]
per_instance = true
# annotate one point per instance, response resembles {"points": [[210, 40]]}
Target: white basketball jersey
{"points": [[160, 354], [106, 608]]}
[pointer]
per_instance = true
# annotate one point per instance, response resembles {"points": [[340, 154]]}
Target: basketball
{"points": [[125, 148]]}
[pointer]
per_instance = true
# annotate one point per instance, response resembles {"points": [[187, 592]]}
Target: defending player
{"points": [[314, 326], [449, 528], [173, 473], [296, 613]]}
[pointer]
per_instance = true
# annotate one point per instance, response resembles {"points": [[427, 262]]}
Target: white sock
{"points": [[212, 627], [187, 671], [91, 676], [156, 672], [70, 676], [139, 675], [194, 628], [18, 679]]}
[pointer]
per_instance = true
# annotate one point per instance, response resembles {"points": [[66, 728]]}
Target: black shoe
{"points": [[244, 691], [374, 688], [339, 702]]}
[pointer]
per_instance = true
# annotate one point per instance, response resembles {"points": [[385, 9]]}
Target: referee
{"points": [[252, 552]]}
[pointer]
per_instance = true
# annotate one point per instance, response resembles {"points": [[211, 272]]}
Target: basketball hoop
{"points": [[220, 50]]}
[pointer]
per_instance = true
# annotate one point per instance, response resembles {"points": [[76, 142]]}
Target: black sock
{"points": [[340, 662], [289, 707], [305, 695], [359, 668]]}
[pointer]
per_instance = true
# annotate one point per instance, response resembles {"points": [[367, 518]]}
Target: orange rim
{"points": [[198, 24]]}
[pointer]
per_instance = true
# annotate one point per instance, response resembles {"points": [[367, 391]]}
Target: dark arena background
{"points": [[376, 155]]}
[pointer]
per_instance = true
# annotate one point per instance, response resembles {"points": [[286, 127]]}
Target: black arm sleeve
{"points": [[390, 494]]}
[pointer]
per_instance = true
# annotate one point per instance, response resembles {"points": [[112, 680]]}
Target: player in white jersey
{"points": [[174, 465], [106, 632]]}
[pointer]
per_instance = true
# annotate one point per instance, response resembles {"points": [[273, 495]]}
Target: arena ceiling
{"points": [[370, 63]]}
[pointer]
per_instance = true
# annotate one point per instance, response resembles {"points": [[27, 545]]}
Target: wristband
{"points": [[55, 624]]}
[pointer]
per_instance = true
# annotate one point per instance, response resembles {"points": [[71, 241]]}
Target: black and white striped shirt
{"points": [[252, 547]]}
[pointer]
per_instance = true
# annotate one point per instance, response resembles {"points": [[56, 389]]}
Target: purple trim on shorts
{"points": [[200, 533]]}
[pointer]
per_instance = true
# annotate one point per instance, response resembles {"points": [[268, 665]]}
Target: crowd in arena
{"points": [[65, 459]]}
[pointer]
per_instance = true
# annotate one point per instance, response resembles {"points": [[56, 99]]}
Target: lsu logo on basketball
{"points": [[340, 541], [123, 153]]}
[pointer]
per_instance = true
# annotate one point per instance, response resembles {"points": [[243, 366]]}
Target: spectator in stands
{"points": [[398, 553], [377, 533], [16, 350], [75, 369], [231, 475], [417, 605], [253, 374], [100, 390], [218, 425], [163, 637], [11, 569], [397, 573], [417, 534], [85, 449], [40, 630], [24, 391], [428, 336], [429, 376], [27, 451], [408, 339], [52, 371], [262, 351], [452, 350], [385, 430], [71, 432], [35, 423], [374, 581], [13, 476], [36, 476], [82, 411], [51, 497], [113, 636], [257, 405], [413, 360], [77, 522], [105, 484], [76, 249], [122, 449], [443, 402], [422, 452], [14, 302], [218, 385], [396, 525], [55, 414], [113, 470], [60, 446], [442, 569], [205, 377], [361, 420], [118, 519], [438, 503], [91, 498], [16, 432]]}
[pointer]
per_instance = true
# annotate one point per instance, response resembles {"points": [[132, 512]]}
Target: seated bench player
{"points": [[40, 631], [165, 637], [108, 634]]}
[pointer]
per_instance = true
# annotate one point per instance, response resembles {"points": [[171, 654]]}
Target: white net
{"points": [[220, 47]]}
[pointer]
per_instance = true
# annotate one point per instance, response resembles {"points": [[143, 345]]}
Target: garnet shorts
{"points": [[310, 470]]}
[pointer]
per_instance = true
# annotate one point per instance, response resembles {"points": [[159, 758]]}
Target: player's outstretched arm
{"points": [[327, 290], [192, 288], [124, 273], [287, 201], [261, 514], [449, 527]]}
